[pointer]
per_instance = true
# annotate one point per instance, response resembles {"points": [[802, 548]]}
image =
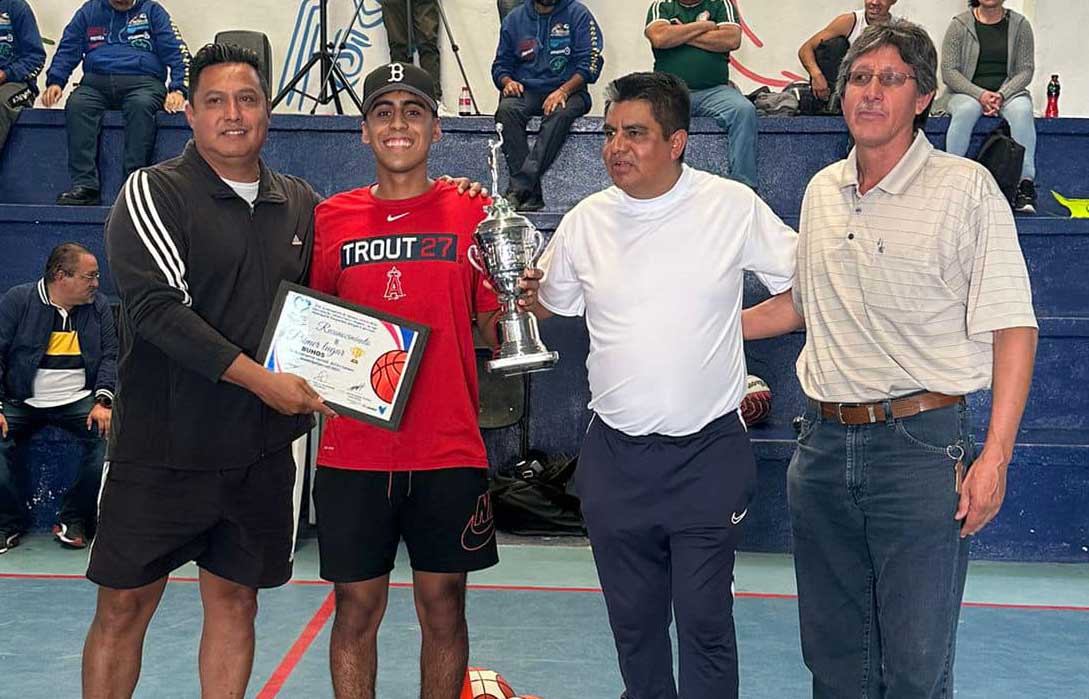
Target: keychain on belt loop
{"points": [[956, 452]]}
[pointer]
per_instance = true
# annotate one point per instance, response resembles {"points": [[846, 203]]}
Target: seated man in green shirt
{"points": [[692, 39]]}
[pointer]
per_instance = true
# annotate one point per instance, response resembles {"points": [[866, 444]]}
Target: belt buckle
{"points": [[869, 411]]}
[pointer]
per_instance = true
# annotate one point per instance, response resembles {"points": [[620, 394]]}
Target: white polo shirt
{"points": [[660, 282]]}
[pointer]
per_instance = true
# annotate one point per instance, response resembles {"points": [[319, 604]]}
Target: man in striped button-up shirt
{"points": [[913, 292]]}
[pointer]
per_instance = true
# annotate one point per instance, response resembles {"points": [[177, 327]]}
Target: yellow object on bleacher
{"points": [[1079, 208]]}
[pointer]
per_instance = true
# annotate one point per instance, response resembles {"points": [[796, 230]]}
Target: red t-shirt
{"points": [[408, 257]]}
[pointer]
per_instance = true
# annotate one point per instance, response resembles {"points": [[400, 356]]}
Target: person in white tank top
{"points": [[849, 25]]}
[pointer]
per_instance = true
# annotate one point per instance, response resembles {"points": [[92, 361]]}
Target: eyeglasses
{"points": [[861, 78], [92, 276]]}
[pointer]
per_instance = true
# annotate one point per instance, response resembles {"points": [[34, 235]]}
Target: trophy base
{"points": [[522, 364]]}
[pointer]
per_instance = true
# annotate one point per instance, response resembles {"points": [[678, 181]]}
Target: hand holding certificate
{"points": [[362, 362]]}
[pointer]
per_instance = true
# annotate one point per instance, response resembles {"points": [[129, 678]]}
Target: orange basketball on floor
{"points": [[386, 372], [481, 683]]}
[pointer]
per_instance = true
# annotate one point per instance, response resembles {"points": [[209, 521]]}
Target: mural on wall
{"points": [[306, 39], [787, 77]]}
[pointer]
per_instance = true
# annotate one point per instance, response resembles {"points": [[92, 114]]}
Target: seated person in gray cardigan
{"points": [[987, 65]]}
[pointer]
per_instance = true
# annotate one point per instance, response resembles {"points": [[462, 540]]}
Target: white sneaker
{"points": [[444, 112]]}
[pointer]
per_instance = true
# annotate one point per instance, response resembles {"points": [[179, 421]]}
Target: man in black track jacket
{"points": [[200, 466]]}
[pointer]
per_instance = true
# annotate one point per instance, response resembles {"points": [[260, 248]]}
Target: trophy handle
{"points": [[538, 245], [473, 255]]}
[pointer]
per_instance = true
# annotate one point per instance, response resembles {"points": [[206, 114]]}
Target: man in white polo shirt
{"points": [[914, 293], [666, 472]]}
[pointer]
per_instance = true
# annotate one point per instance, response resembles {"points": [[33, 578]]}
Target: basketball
{"points": [[481, 683], [386, 372], [756, 405]]}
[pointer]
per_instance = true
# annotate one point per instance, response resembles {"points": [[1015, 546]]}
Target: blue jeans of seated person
{"points": [[966, 110], [13, 97], [79, 501], [878, 556], [527, 166], [734, 112], [139, 97]]}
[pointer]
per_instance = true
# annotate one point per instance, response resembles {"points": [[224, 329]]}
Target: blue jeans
{"points": [[139, 97], [966, 110], [13, 97], [735, 113], [527, 165], [78, 504], [878, 556]]}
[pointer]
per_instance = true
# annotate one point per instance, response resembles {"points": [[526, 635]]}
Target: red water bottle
{"points": [[465, 102], [1053, 89]]}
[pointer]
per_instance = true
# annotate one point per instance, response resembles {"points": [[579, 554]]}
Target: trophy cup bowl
{"points": [[506, 244]]}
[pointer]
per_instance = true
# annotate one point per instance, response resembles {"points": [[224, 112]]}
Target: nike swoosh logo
{"points": [[736, 518], [480, 529], [391, 218], [473, 539]]}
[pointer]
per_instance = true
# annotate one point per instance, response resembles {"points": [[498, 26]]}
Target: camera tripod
{"points": [[330, 89], [453, 47]]}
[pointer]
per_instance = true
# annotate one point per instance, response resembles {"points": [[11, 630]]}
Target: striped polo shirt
{"points": [[61, 377], [902, 288]]}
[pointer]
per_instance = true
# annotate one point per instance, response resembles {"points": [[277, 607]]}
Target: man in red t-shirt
{"points": [[401, 246]]}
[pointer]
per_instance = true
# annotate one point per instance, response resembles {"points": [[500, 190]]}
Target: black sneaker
{"points": [[70, 536], [531, 202], [79, 196], [512, 198], [1025, 200], [9, 540]]}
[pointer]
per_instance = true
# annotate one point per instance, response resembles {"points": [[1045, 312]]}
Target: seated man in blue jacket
{"points": [[22, 57], [549, 51], [126, 47], [58, 359]]}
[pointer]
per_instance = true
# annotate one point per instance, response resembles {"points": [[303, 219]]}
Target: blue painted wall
{"points": [[1045, 516]]}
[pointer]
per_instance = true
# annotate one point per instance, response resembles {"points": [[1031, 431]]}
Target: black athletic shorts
{"points": [[236, 523], [444, 516]]}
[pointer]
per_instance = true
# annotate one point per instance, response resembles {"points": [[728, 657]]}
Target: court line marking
{"points": [[543, 588], [298, 649]]}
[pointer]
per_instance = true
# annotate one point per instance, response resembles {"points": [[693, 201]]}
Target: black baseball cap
{"points": [[399, 76]]}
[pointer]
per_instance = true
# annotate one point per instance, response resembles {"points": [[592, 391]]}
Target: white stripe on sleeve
{"points": [[145, 218], [731, 16]]}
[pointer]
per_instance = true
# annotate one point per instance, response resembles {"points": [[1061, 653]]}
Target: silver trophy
{"points": [[506, 244]]}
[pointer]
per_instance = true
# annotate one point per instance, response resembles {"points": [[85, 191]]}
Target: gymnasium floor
{"points": [[537, 618]]}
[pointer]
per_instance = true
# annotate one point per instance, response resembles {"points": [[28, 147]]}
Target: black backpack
{"points": [[1003, 157], [539, 500], [829, 55]]}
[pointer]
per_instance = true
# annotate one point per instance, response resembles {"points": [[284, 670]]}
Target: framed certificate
{"points": [[362, 362]]}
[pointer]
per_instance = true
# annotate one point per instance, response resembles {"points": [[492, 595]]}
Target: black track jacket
{"points": [[197, 272]]}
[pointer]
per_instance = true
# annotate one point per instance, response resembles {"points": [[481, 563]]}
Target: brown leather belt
{"points": [[866, 413]]}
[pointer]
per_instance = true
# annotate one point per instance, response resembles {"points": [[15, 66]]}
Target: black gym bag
{"points": [[539, 500], [1003, 157]]}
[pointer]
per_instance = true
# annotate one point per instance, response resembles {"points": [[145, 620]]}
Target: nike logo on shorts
{"points": [[736, 518], [480, 529]]}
